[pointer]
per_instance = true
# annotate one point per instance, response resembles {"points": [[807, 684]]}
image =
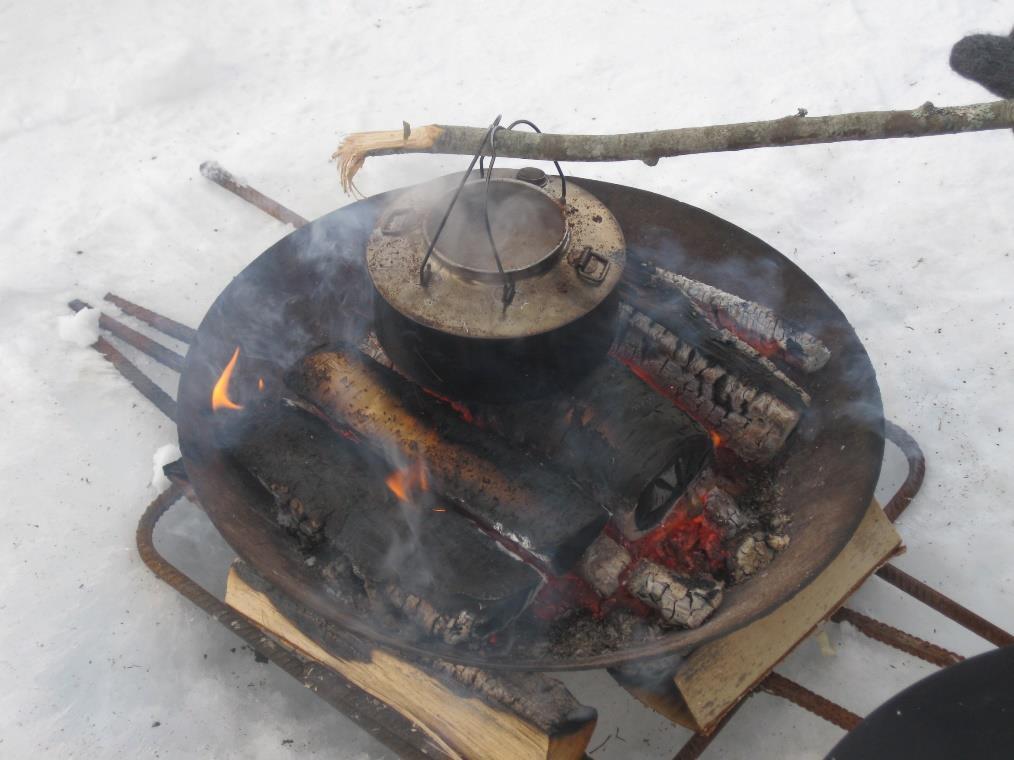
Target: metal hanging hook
{"points": [[509, 288], [450, 207]]}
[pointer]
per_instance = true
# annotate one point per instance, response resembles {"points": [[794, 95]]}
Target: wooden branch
{"points": [[924, 121]]}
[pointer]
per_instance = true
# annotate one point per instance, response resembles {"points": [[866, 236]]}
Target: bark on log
{"points": [[441, 572], [533, 506], [649, 147]]}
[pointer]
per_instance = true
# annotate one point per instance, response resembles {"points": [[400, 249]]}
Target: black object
{"points": [[311, 289], [966, 710], [987, 59]]}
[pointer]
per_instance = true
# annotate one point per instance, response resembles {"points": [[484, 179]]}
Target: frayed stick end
{"points": [[358, 146]]}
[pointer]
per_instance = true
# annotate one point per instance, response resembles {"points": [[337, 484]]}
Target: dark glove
{"points": [[987, 59]]}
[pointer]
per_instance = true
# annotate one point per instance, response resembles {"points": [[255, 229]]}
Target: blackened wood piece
{"points": [[470, 712], [670, 307], [452, 579], [535, 507], [611, 433], [757, 325], [752, 423]]}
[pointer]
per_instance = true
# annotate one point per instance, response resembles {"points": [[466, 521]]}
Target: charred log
{"points": [[677, 600], [753, 423], [758, 325], [755, 552], [686, 602], [436, 568], [630, 447], [724, 512], [603, 565], [510, 492]]}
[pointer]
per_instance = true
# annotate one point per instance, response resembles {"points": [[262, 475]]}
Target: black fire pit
{"points": [[311, 290]]}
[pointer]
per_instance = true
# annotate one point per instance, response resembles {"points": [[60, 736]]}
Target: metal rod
{"points": [[450, 206], [132, 337], [170, 327], [223, 178], [822, 707], [897, 638], [916, 470], [945, 606], [699, 742], [165, 403], [384, 723]]}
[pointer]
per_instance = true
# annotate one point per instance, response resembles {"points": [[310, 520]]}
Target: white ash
{"points": [[755, 552], [797, 347], [679, 600], [603, 564]]}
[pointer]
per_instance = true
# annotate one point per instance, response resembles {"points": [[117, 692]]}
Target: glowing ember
{"points": [[463, 411], [683, 543], [407, 481], [220, 393]]}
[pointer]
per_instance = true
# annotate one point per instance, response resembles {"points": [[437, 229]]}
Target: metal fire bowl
{"points": [[310, 289]]}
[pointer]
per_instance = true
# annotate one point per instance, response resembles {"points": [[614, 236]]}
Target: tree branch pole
{"points": [[649, 147]]}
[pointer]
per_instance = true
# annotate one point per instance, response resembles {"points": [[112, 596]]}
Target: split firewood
{"points": [[649, 147], [752, 423], [468, 712], [448, 578], [678, 601], [535, 508], [757, 325]]}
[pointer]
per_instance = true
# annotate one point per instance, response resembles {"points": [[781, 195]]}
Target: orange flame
{"points": [[406, 481], [220, 393], [260, 384]]}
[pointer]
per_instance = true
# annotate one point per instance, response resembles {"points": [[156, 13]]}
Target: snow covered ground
{"points": [[106, 110]]}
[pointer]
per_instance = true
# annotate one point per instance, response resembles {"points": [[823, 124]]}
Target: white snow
{"points": [[163, 455], [109, 108], [80, 328]]}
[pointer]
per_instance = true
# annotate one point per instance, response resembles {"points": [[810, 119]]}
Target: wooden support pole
{"points": [[925, 121]]}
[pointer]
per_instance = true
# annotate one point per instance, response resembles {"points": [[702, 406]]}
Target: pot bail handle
{"points": [[526, 122], [450, 206]]}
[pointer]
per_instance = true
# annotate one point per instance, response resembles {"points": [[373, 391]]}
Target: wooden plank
{"points": [[716, 676], [464, 722]]}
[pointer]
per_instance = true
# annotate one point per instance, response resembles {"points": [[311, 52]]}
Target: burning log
{"points": [[753, 423], [758, 325], [537, 509], [677, 600], [435, 567], [630, 447]]}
